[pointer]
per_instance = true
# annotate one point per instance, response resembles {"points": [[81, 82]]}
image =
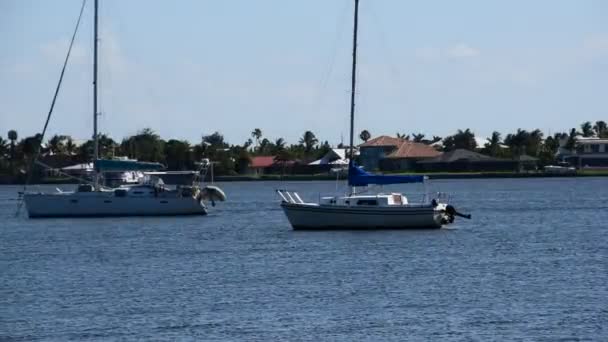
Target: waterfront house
{"points": [[388, 153], [461, 160], [588, 152]]}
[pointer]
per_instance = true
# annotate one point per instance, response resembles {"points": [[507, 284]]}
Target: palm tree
{"points": [[435, 139], [70, 146], [265, 146], [465, 139], [493, 144], [571, 143], [403, 136], [365, 135], [309, 140], [601, 129], [534, 142], [256, 134], [517, 142], [247, 143], [56, 144], [4, 149], [587, 129], [279, 145], [12, 136], [418, 137]]}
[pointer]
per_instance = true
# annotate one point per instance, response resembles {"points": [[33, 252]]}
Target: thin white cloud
{"points": [[462, 51]]}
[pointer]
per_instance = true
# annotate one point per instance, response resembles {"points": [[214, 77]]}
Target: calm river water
{"points": [[531, 265]]}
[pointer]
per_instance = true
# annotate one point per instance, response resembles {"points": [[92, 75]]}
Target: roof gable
{"points": [[410, 149]]}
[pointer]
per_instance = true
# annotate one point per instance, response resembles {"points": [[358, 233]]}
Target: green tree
{"points": [[534, 142], [4, 149], [31, 145], [107, 147], [418, 137], [492, 147], [601, 129], [403, 136], [309, 140], [587, 129], [571, 142], [265, 147], [257, 135], [70, 146], [178, 155], [12, 136], [517, 142], [365, 135], [243, 161], [56, 144], [279, 145], [144, 146], [461, 140]]}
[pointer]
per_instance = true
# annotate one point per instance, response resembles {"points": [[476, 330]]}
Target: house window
{"points": [[587, 148], [595, 148], [367, 202]]}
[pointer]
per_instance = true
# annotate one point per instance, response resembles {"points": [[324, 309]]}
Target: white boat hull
{"points": [[102, 204], [315, 216]]}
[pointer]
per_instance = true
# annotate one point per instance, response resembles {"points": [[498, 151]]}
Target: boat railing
{"points": [[289, 196]]}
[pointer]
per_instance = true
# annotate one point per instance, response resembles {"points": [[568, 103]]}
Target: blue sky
{"points": [[186, 68]]}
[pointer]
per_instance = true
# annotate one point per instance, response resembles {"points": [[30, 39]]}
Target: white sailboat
{"points": [[366, 211], [150, 198]]}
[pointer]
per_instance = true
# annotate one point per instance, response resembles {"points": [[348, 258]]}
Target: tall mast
{"points": [[353, 81], [353, 86], [95, 135]]}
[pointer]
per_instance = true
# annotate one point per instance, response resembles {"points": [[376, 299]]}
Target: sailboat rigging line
{"points": [[67, 175], [329, 71], [48, 117]]}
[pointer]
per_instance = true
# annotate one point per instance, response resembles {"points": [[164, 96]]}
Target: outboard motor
{"points": [[451, 211]]}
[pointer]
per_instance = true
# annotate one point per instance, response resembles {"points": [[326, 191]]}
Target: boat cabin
{"points": [[379, 200]]}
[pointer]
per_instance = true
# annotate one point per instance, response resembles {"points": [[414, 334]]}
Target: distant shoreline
{"points": [[325, 177]]}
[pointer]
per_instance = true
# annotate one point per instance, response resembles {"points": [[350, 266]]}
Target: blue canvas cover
{"points": [[359, 177], [126, 165]]}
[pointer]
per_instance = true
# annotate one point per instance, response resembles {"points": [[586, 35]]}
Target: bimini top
{"points": [[359, 177], [126, 165]]}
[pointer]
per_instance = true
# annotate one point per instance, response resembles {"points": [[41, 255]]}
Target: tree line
{"points": [[147, 145], [176, 154]]}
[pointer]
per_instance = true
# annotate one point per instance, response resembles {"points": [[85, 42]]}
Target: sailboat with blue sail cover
{"points": [[363, 210]]}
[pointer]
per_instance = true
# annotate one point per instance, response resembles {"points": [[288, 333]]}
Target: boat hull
{"points": [[104, 204], [308, 216]]}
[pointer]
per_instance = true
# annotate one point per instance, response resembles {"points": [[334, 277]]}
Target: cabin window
{"points": [[367, 202], [138, 192]]}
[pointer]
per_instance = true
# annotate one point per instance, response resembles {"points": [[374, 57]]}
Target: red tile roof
{"points": [[410, 149], [383, 140], [403, 148], [261, 161]]}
